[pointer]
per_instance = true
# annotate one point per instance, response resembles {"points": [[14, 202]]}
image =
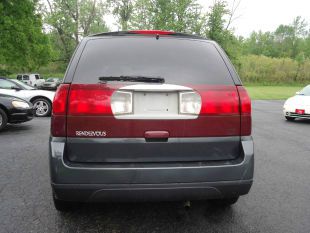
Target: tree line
{"points": [[34, 33]]}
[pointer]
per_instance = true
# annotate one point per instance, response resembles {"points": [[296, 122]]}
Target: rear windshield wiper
{"points": [[127, 78]]}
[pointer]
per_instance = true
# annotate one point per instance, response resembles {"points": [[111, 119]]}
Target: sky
{"points": [[265, 15]]}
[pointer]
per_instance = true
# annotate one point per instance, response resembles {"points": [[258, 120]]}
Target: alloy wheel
{"points": [[41, 108]]}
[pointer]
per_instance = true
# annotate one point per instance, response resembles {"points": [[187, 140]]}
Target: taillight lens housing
{"points": [[58, 119], [91, 100], [245, 111], [190, 103], [121, 102], [219, 100], [60, 100], [300, 111]]}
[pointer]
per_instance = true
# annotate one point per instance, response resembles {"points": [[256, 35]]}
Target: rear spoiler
{"points": [[148, 33]]}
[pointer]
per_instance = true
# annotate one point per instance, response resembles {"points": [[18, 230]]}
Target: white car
{"points": [[41, 100], [31, 79], [298, 106]]}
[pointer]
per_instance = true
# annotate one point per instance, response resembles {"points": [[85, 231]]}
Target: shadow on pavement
{"points": [[13, 128], [148, 217]]}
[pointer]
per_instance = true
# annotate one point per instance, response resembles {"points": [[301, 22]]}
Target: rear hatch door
{"points": [[193, 115]]}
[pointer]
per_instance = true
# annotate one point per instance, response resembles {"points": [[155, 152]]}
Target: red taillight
{"points": [[92, 99], [152, 32], [300, 111], [58, 120], [219, 100], [245, 111], [60, 100]]}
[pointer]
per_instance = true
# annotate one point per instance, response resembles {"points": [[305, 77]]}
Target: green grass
{"points": [[272, 92]]}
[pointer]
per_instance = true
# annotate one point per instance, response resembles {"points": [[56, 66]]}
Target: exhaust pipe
{"points": [[187, 205]]}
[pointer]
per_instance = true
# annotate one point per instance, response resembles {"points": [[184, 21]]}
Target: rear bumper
{"points": [[296, 115], [151, 192], [144, 182]]}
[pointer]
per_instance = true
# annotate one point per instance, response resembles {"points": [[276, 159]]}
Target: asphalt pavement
{"points": [[279, 200]]}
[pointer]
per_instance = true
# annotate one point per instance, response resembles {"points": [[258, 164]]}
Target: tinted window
{"points": [[37, 76], [178, 61], [5, 84], [19, 77], [25, 77]]}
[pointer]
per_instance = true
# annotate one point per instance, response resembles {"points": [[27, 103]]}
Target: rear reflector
{"points": [[245, 110], [58, 119], [152, 32]]}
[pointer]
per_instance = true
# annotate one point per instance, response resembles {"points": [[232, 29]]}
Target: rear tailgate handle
{"points": [[155, 136]]}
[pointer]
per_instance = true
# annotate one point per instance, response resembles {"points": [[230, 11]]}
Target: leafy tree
{"points": [[71, 20], [141, 18], [286, 41], [216, 22], [22, 42], [188, 16], [260, 43], [122, 10], [176, 15], [306, 47], [217, 29], [299, 33]]}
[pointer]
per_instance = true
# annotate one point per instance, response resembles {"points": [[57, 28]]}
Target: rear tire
{"points": [[3, 119], [225, 202], [64, 206], [290, 118], [44, 105]]}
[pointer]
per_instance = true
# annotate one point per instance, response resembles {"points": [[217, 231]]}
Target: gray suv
{"points": [[150, 115]]}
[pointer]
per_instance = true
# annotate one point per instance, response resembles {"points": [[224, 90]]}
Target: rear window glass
{"points": [[178, 61], [305, 91]]}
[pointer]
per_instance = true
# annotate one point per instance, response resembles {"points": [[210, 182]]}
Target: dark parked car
{"points": [[51, 83], [14, 110], [150, 115]]}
